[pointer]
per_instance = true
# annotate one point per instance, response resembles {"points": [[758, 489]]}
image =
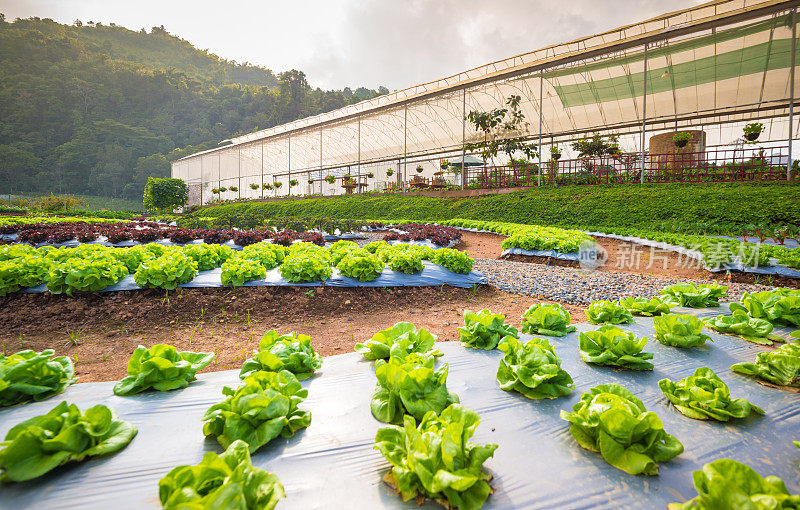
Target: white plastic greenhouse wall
{"points": [[717, 65]]}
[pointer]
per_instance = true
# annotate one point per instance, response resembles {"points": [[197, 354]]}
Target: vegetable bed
{"points": [[537, 464]]}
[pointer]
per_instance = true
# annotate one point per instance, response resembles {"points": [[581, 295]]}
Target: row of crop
{"points": [[89, 268], [42, 220], [247, 418], [412, 391], [431, 455], [702, 209]]}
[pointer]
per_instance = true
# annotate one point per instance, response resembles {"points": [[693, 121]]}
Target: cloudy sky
{"points": [[354, 43]]}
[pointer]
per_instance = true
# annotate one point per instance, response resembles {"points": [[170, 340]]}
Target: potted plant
{"points": [[215, 191], [681, 138], [223, 189], [555, 153], [330, 179], [389, 172], [370, 175], [444, 164], [278, 185], [292, 182], [347, 177], [752, 131], [253, 186], [311, 181], [419, 169], [267, 186]]}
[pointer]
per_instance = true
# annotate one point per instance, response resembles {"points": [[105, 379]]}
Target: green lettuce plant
{"points": [[779, 306], [65, 434], [228, 480], [306, 266], [23, 272], [608, 312], [409, 384], [454, 260], [402, 338], [484, 329], [268, 255], [260, 410], [30, 375], [610, 345], [161, 368], [167, 271], [758, 331], [646, 307], [610, 420], [692, 295], [95, 272], [405, 261], [208, 256], [340, 249], [436, 459], [704, 395], [727, 483], [533, 369], [288, 351], [361, 265], [680, 330], [132, 257], [237, 271], [544, 319], [781, 366]]}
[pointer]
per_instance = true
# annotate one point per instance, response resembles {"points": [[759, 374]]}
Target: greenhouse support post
{"points": [[321, 192], [541, 93], [239, 158], [791, 95], [644, 112], [463, 137], [288, 185], [262, 169], [405, 146], [358, 171]]}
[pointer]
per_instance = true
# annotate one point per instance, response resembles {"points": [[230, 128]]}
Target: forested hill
{"points": [[96, 109]]}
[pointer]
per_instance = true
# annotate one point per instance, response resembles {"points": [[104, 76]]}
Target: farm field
{"points": [[100, 330]]}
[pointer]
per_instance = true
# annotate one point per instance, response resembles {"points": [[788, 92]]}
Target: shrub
{"points": [[165, 194]]}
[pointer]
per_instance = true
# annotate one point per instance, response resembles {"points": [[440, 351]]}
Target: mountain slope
{"points": [[98, 109]]}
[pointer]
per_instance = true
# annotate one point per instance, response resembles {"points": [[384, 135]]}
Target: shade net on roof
{"points": [[719, 62]]}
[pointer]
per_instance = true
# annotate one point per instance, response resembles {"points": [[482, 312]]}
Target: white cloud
{"points": [[360, 42]]}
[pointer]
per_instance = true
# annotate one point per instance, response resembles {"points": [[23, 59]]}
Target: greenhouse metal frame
{"points": [[715, 66]]}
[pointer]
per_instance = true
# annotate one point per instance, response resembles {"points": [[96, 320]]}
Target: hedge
{"points": [[706, 208]]}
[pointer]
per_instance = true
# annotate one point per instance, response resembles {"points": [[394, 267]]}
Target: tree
{"points": [[17, 167], [503, 131], [165, 194]]}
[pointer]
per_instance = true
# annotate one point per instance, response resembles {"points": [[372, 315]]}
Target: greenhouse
{"points": [[708, 70]]}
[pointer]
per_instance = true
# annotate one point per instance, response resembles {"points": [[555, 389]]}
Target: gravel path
{"points": [[577, 286]]}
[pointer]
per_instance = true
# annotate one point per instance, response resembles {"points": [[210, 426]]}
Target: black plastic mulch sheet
{"points": [[332, 464]]}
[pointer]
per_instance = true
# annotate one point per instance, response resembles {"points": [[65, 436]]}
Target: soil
{"points": [[100, 330]]}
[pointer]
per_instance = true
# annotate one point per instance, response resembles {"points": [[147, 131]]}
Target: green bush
{"points": [[164, 194]]}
